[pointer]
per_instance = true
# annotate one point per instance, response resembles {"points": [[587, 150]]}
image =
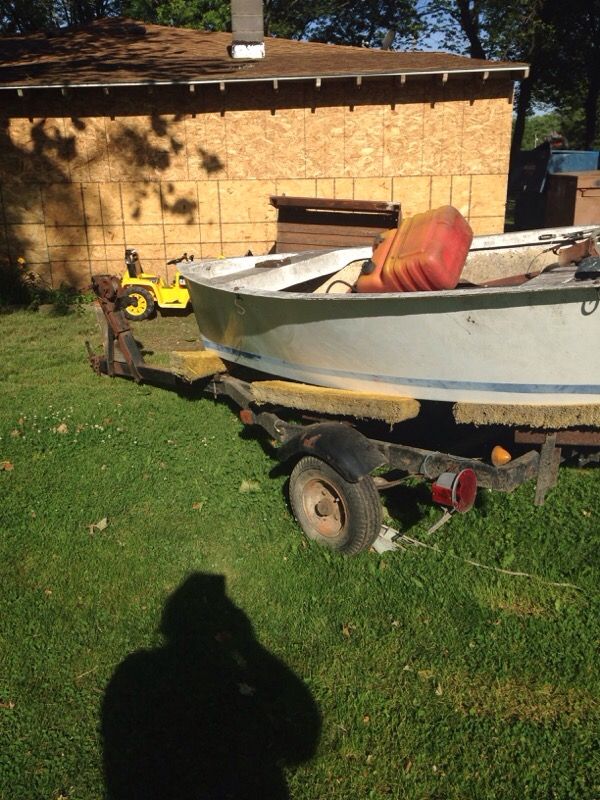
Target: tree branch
{"points": [[469, 22]]}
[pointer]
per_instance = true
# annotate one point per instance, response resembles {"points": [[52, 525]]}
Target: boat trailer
{"points": [[333, 492]]}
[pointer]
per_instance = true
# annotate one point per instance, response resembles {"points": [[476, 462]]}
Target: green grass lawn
{"points": [[429, 677]]}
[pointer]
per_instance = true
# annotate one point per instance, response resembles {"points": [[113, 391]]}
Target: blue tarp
{"points": [[573, 161]]}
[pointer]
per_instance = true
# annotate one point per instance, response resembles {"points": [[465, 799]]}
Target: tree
{"points": [[24, 16], [28, 16], [539, 126], [336, 21], [362, 22], [210, 15], [519, 30], [572, 78], [562, 46]]}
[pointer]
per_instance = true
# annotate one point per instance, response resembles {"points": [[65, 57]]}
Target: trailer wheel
{"points": [[145, 303], [341, 515]]}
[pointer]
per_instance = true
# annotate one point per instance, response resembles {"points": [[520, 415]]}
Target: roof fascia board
{"points": [[520, 73]]}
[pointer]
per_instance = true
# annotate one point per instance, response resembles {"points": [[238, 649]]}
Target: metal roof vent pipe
{"points": [[248, 29]]}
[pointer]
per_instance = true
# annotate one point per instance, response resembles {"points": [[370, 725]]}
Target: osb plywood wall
{"points": [[174, 171]]}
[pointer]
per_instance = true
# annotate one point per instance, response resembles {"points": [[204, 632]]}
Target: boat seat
{"points": [[551, 274]]}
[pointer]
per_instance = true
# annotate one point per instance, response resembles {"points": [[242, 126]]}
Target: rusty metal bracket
{"points": [[239, 391], [122, 355], [109, 292], [575, 437], [430, 464]]}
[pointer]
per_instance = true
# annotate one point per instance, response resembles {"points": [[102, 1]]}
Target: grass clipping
{"points": [[335, 401], [550, 417]]}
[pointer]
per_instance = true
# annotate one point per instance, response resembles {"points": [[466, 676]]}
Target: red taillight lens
{"points": [[455, 490]]}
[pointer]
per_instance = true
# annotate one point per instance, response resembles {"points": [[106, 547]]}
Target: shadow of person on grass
{"points": [[211, 715]]}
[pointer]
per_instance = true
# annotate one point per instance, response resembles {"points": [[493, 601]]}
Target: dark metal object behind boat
{"points": [[588, 268]]}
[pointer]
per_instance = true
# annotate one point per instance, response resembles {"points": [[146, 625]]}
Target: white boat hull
{"points": [[532, 345]]}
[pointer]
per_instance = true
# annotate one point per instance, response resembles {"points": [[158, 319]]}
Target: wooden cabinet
{"points": [[573, 198]]}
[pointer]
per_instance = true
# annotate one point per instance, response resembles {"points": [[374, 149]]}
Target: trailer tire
{"points": [[341, 515], [146, 303]]}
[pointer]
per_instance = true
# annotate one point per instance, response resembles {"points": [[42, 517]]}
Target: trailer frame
{"points": [[335, 442]]}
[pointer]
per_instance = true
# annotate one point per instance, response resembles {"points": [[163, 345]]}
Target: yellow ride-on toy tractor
{"points": [[148, 292]]}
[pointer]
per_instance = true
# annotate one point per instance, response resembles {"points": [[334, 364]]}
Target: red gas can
{"points": [[427, 252]]}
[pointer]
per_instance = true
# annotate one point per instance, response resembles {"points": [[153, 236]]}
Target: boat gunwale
{"points": [[570, 285]]}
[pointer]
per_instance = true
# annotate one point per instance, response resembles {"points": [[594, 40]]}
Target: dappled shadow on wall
{"points": [[60, 210], [211, 715]]}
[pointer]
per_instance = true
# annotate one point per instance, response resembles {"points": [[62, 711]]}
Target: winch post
{"points": [[548, 468], [119, 337]]}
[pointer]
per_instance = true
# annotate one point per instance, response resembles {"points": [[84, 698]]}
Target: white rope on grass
{"points": [[515, 573]]}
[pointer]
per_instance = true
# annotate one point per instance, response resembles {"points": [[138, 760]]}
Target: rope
{"points": [[339, 280], [479, 565]]}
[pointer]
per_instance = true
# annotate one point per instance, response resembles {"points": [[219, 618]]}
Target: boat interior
{"points": [[540, 258]]}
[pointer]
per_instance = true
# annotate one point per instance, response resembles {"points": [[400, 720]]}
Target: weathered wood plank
{"points": [[335, 230], [305, 223], [309, 241], [335, 401], [545, 417], [281, 201], [192, 365]]}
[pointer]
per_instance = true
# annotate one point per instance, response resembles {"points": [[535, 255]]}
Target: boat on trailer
{"points": [[491, 340], [511, 345]]}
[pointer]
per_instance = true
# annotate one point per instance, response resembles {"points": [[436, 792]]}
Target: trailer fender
{"points": [[339, 445]]}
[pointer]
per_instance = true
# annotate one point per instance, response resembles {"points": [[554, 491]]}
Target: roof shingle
{"points": [[124, 52]]}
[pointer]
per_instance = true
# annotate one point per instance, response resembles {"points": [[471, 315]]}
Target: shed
{"points": [[122, 134]]}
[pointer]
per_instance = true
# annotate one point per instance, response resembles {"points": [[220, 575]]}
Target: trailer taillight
{"points": [[246, 416], [456, 490]]}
